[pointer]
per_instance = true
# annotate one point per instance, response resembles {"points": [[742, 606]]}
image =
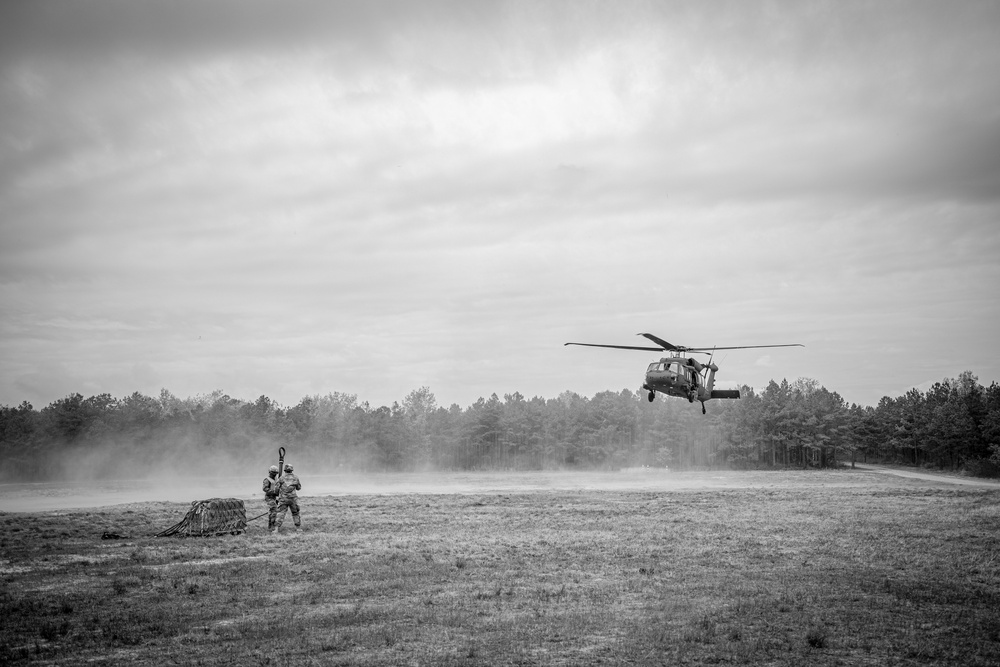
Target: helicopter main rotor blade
{"points": [[665, 346], [738, 347], [619, 347], [662, 343]]}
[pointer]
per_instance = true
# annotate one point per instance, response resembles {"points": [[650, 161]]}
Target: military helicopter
{"points": [[678, 375]]}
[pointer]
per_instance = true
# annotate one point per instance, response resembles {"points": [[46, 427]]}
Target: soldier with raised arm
{"points": [[288, 499]]}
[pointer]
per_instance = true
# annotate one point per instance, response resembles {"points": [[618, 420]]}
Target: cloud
{"points": [[451, 190], [764, 360]]}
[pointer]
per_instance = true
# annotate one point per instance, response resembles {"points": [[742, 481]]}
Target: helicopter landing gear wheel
{"points": [[652, 395]]}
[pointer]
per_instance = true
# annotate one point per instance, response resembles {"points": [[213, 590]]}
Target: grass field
{"points": [[828, 568]]}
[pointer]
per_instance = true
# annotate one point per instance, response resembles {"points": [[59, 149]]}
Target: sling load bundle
{"points": [[216, 516]]}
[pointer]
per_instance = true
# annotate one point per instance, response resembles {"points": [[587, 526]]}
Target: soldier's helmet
{"points": [[273, 469], [288, 468]]}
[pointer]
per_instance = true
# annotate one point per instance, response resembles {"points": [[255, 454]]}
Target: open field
{"points": [[832, 567]]}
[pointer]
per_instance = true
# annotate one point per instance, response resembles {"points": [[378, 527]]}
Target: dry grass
{"points": [[781, 568]]}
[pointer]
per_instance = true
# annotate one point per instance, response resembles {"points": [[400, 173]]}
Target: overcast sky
{"points": [[296, 198]]}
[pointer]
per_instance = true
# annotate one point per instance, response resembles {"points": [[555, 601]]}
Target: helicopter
{"points": [[683, 376]]}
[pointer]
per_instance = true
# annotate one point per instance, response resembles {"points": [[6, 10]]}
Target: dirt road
{"points": [[929, 476]]}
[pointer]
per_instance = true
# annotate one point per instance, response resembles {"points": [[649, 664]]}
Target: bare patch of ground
{"points": [[934, 477]]}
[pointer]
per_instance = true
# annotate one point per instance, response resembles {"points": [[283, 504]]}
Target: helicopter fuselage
{"points": [[685, 378]]}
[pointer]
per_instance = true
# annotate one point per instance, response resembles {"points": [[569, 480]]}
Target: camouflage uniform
{"points": [[288, 484], [270, 488]]}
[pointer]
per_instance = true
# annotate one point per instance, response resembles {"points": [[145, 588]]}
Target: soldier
{"points": [[271, 496], [288, 484]]}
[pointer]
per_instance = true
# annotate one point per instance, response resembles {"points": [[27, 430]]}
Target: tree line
{"points": [[955, 424]]}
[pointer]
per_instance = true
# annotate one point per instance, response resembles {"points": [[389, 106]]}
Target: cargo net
{"points": [[216, 516]]}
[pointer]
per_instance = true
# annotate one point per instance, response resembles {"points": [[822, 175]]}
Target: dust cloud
{"points": [[54, 496]]}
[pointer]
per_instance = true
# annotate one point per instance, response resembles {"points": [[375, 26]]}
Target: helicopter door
{"points": [[680, 373]]}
